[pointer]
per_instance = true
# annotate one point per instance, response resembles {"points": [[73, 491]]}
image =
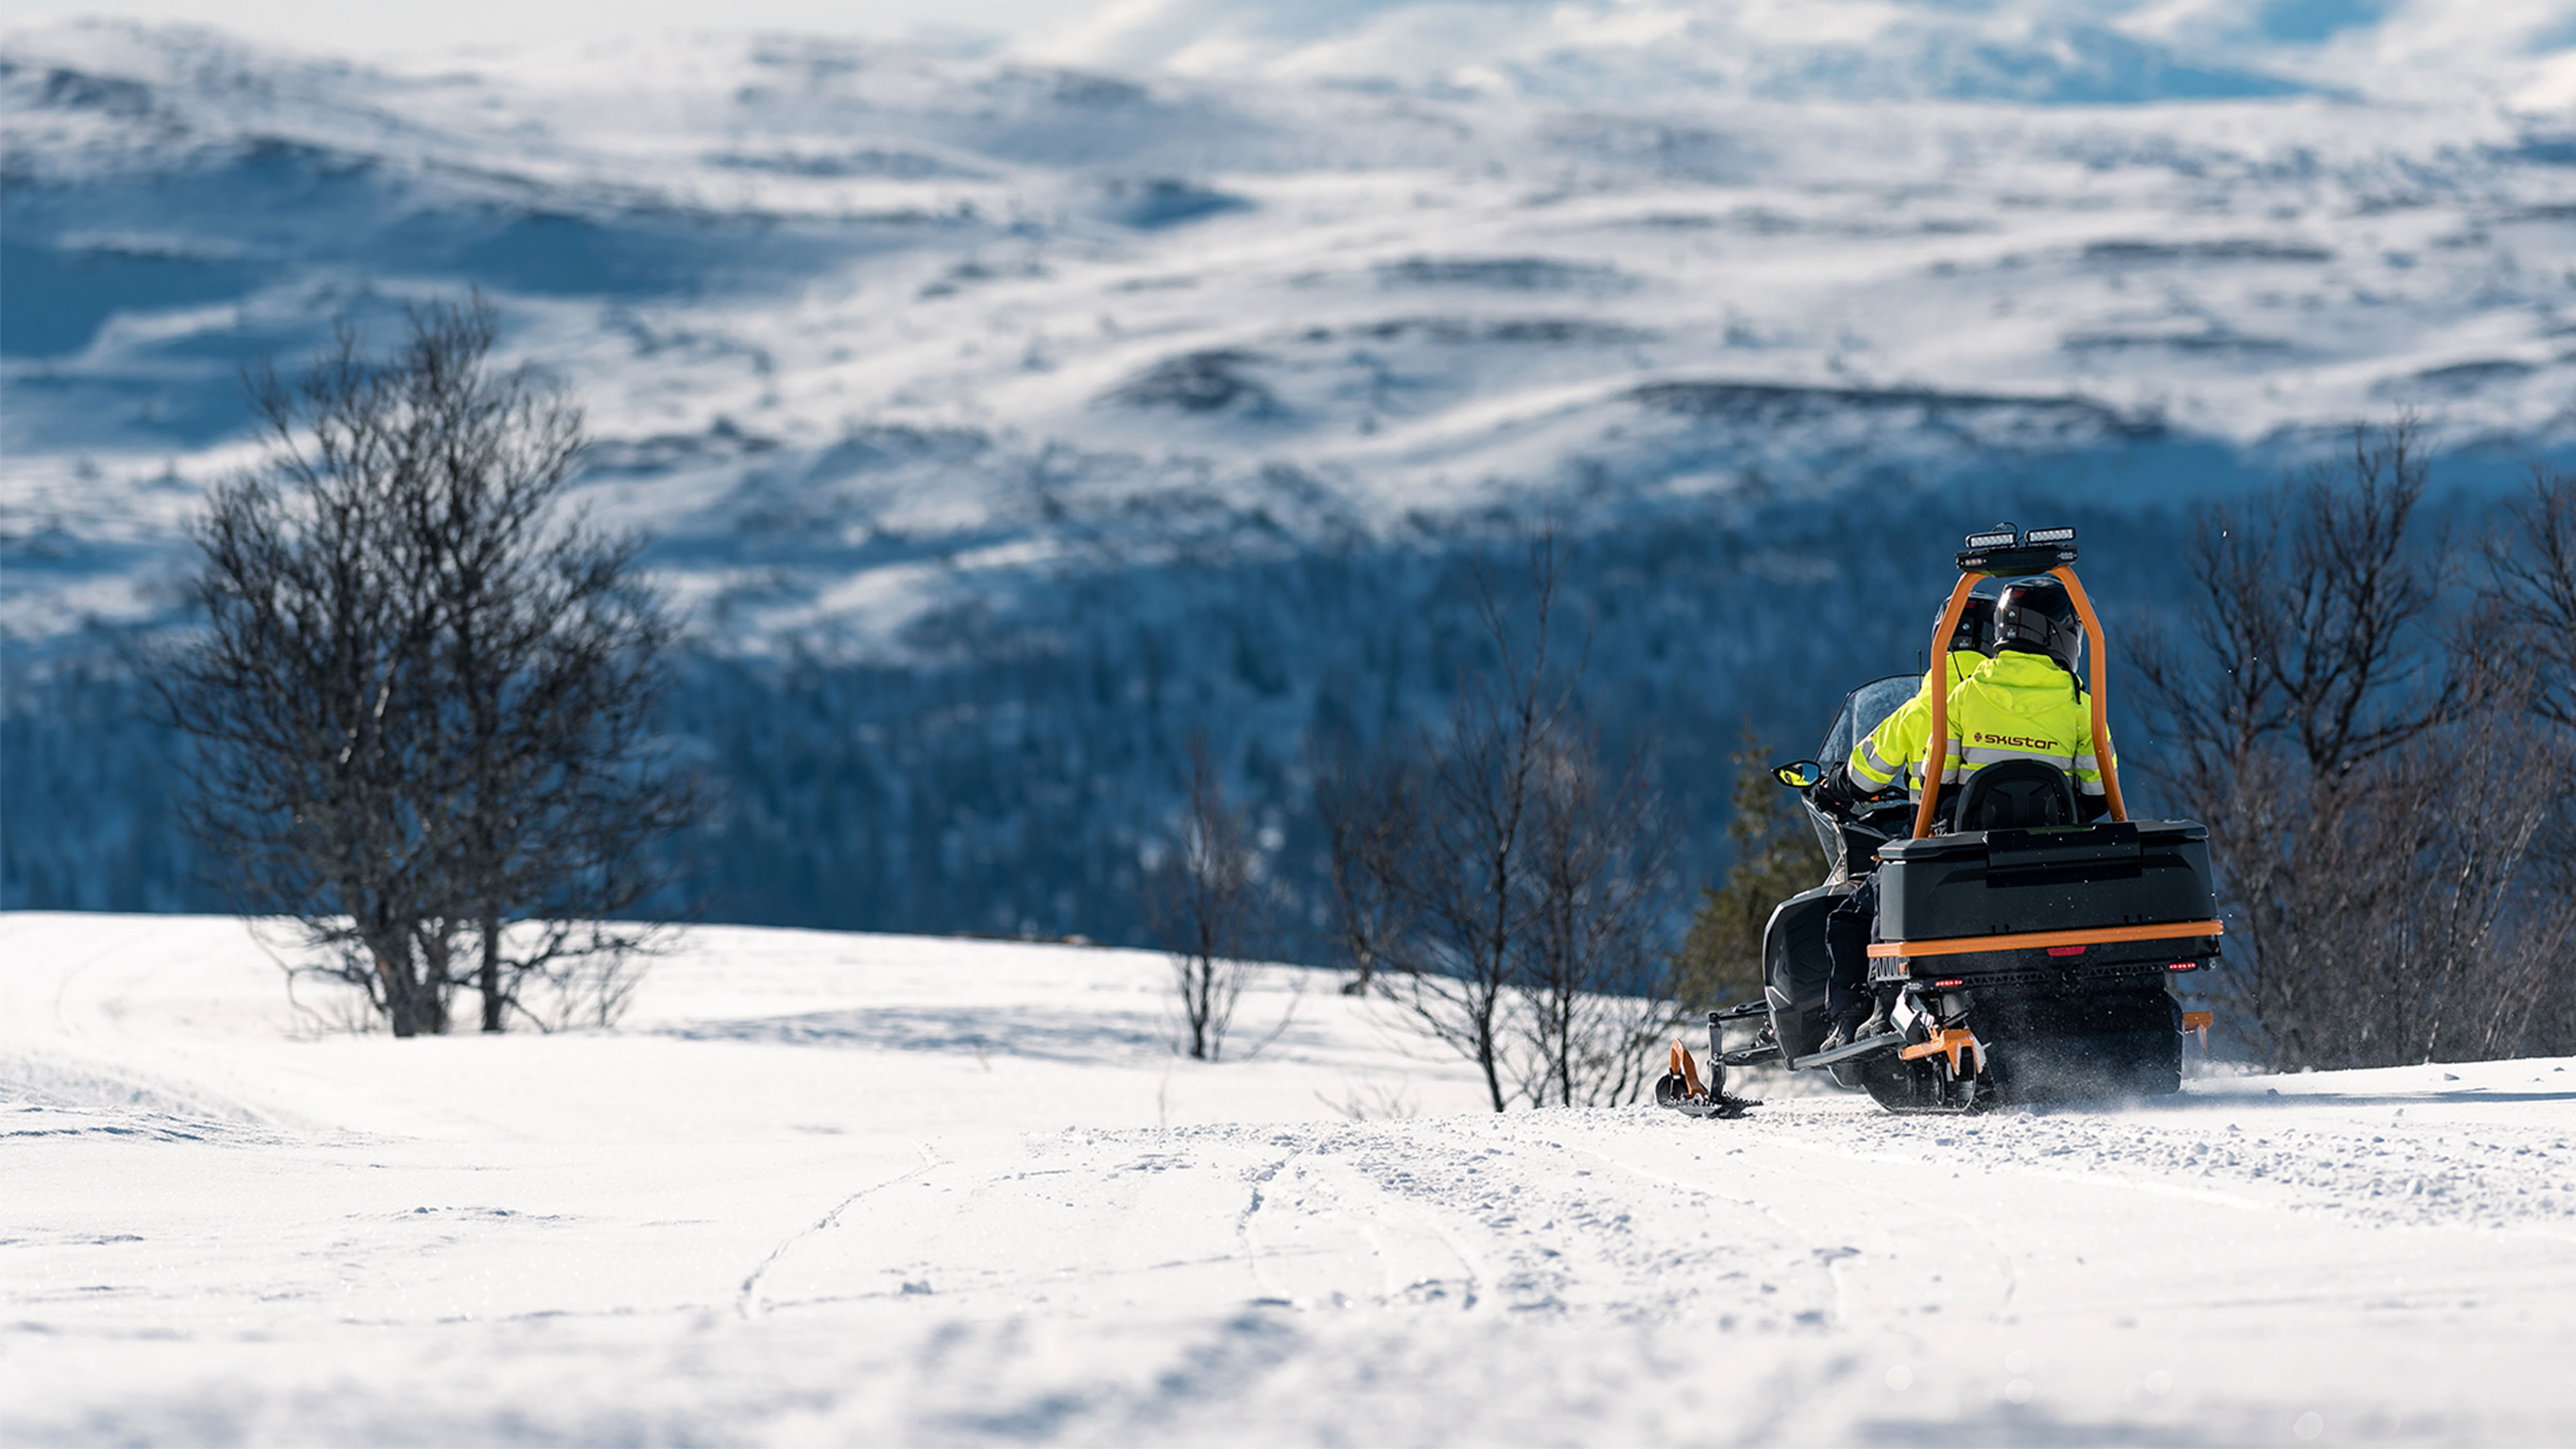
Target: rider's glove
{"points": [[1835, 791]]}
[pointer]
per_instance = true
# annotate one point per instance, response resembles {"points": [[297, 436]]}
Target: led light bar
{"points": [[2007, 549]]}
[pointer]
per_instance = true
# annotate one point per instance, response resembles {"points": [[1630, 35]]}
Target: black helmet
{"points": [[1974, 621], [2037, 616]]}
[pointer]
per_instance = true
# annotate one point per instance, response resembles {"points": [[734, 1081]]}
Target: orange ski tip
{"points": [[2198, 1023], [1687, 1068]]}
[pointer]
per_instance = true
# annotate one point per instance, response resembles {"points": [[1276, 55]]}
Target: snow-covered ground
{"points": [[824, 1188]]}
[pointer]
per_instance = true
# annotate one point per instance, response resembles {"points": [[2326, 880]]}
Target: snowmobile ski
{"points": [[1680, 1088], [1850, 1051]]}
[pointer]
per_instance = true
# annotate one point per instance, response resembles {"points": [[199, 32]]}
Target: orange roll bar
{"points": [[1936, 749], [2097, 667]]}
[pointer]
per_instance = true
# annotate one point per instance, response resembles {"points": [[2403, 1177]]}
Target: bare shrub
{"points": [[2528, 599], [2403, 921], [2369, 770], [2530, 590], [1498, 884]]}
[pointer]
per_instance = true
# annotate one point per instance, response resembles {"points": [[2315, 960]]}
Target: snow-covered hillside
{"points": [[844, 1189], [866, 328]]}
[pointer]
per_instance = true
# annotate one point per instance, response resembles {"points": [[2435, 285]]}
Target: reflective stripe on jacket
{"points": [[1900, 742], [2021, 706]]}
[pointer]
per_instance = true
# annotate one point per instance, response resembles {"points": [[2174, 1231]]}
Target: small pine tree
{"points": [[1776, 856]]}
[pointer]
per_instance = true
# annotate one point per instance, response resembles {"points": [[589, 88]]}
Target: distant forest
{"points": [[1006, 778]]}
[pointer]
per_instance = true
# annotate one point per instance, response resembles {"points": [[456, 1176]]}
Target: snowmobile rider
{"points": [[1892, 756], [2026, 703]]}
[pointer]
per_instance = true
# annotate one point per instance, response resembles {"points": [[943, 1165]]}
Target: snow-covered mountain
{"points": [[897, 348], [1392, 263], [2045, 51]]}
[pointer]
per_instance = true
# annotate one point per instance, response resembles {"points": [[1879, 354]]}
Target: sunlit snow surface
{"points": [[866, 328], [837, 1189]]}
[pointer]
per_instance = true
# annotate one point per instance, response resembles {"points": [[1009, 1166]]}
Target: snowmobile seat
{"points": [[2016, 795]]}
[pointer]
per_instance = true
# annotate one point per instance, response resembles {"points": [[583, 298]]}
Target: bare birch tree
{"points": [[1369, 802], [1467, 881], [1595, 975], [1206, 902], [552, 668], [315, 783], [421, 702]]}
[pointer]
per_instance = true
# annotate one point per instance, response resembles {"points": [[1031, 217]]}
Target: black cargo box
{"points": [[2003, 882]]}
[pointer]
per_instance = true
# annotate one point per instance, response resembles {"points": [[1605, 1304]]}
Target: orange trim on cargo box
{"points": [[2026, 940]]}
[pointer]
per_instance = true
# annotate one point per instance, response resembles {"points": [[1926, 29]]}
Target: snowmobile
{"points": [[2033, 957]]}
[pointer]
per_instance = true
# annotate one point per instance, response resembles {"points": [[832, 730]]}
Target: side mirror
{"points": [[1799, 774]]}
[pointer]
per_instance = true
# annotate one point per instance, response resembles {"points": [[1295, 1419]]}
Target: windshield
{"points": [[1863, 710]]}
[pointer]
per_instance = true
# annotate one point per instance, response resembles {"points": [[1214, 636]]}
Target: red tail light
{"points": [[2184, 966], [1950, 981], [2065, 950]]}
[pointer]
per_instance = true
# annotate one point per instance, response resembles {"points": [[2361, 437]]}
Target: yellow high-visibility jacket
{"points": [[2021, 706], [1900, 742]]}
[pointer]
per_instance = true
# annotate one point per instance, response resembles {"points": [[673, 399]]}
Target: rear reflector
{"points": [[2184, 966], [2065, 950], [1950, 981]]}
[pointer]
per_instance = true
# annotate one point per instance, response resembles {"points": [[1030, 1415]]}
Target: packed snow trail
{"points": [[751, 1235]]}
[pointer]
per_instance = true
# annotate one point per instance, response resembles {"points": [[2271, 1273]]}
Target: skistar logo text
{"points": [[2018, 743]]}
